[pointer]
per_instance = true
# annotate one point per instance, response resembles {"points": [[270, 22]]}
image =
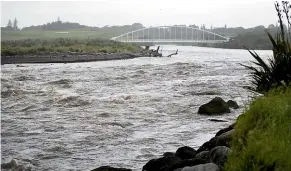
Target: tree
{"points": [[59, 20], [9, 23], [15, 27], [9, 26], [203, 26], [275, 71]]}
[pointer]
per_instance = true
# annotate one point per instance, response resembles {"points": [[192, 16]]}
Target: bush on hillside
{"points": [[262, 139], [277, 71]]}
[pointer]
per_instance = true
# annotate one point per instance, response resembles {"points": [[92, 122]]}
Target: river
{"points": [[122, 113]]}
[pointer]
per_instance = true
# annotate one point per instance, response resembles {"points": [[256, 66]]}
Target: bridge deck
{"points": [[171, 41]]}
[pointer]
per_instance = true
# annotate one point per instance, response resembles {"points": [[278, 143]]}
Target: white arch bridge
{"points": [[170, 35]]}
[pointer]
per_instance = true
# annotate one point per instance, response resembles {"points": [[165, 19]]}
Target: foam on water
{"points": [[122, 113]]}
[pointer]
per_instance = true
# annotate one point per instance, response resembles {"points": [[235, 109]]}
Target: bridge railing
{"points": [[172, 41], [171, 34]]}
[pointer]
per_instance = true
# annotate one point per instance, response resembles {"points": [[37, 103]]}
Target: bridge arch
{"points": [[171, 34]]}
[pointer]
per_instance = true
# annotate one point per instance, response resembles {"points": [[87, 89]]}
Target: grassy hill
{"points": [[53, 34]]}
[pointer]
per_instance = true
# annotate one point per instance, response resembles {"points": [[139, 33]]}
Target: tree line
{"points": [[254, 38], [12, 27]]}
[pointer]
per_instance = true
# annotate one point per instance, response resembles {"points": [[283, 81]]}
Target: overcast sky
{"points": [[234, 13]]}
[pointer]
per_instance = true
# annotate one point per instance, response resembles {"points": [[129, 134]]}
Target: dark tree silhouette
{"points": [[9, 23], [15, 27]]}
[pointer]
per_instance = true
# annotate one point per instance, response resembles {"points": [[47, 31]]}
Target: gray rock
{"points": [[225, 130], [215, 106], [169, 154], [204, 155], [184, 163], [160, 164], [232, 104], [109, 168], [217, 120], [9, 165], [223, 139], [185, 153], [218, 155], [179, 169], [203, 167], [13, 166]]}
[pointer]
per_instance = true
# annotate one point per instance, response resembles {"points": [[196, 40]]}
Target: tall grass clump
{"points": [[262, 140], [276, 71]]}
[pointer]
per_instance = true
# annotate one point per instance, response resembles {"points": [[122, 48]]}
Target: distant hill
{"points": [[59, 29], [59, 25], [254, 38]]}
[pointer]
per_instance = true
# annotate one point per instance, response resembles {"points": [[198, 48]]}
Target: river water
{"points": [[120, 113]]}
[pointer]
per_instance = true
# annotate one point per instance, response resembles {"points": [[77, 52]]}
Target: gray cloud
{"points": [[246, 13]]}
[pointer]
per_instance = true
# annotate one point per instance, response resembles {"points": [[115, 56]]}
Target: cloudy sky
{"points": [[234, 13]]}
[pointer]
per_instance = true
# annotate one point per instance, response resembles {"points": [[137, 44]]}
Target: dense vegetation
{"points": [[61, 29], [262, 139], [276, 71], [22, 47], [263, 135]]}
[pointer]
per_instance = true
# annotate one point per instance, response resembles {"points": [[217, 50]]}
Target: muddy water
{"points": [[121, 113]]}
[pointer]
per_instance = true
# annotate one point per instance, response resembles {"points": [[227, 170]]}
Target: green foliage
{"points": [[262, 139], [25, 47], [277, 71], [70, 30]]}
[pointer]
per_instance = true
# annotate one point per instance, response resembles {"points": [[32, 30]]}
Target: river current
{"points": [[120, 113]]}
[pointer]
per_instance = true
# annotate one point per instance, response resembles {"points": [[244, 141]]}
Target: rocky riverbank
{"points": [[211, 156]]}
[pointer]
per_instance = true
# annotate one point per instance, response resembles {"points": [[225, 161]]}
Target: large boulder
{"points": [[203, 155], [169, 154], [225, 138], [215, 106], [9, 165], [218, 155], [14, 166], [109, 168], [232, 104], [202, 167], [184, 163], [186, 153], [221, 140], [225, 130], [206, 146], [160, 164]]}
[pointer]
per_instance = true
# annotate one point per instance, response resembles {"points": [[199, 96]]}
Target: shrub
{"points": [[277, 71], [262, 139]]}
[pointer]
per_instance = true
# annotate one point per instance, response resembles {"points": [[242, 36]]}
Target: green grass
{"points": [[25, 47], [262, 138], [46, 35]]}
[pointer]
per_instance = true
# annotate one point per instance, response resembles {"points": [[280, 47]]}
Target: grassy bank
{"points": [[29, 46], [54, 34], [263, 135]]}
